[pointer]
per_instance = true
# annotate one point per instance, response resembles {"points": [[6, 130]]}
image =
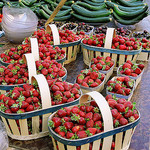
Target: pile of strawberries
{"points": [[121, 85], [14, 74], [85, 120], [90, 78], [20, 100], [118, 42], [15, 54], [45, 52], [102, 63], [145, 43], [63, 92], [82, 34], [50, 69], [131, 69], [66, 36]]}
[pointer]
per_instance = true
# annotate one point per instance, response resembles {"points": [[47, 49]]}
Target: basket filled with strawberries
{"points": [[41, 51], [104, 65], [24, 110], [94, 125], [64, 39], [91, 80], [133, 70], [119, 48], [122, 87], [145, 53]]}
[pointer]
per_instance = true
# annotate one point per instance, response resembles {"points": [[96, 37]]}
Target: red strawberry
{"points": [[128, 104], [128, 114], [69, 135], [141, 66], [108, 97], [121, 101], [98, 124], [61, 73], [75, 110], [126, 65], [67, 94], [30, 108], [75, 129], [55, 88], [92, 130], [94, 75], [14, 108], [95, 84], [123, 121], [137, 71], [127, 72], [117, 86], [89, 108], [89, 115], [82, 121], [90, 124], [84, 84], [127, 91], [96, 117], [68, 125], [61, 113], [81, 134], [120, 107], [62, 133], [11, 102], [112, 103], [114, 113], [56, 121]]}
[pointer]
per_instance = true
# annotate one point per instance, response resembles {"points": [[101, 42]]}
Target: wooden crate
{"points": [[122, 96], [137, 79], [23, 133], [119, 56], [144, 55], [121, 135]]}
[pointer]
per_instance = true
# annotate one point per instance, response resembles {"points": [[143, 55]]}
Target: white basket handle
{"points": [[52, 28], [111, 32], [44, 90], [30, 62], [106, 114], [34, 48]]}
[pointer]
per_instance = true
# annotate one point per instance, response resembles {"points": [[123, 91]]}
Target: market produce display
{"points": [[121, 85], [144, 34], [86, 120]]}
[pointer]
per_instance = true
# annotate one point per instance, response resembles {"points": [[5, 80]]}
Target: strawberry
{"points": [[95, 84], [92, 130], [112, 103], [61, 113], [68, 125], [75, 129], [94, 75], [89, 116], [84, 84], [75, 110], [30, 108], [127, 91], [120, 107], [128, 104], [137, 71], [123, 121], [89, 108], [96, 117], [90, 124], [69, 135], [141, 66], [82, 121], [126, 65], [127, 72], [56, 121], [114, 113], [14, 108], [81, 134], [117, 86]]}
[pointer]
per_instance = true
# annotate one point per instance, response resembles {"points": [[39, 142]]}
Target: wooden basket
{"points": [[70, 48], [29, 60], [34, 51], [107, 73], [144, 55], [122, 135], [99, 88], [122, 96], [137, 79], [23, 134], [119, 56]]}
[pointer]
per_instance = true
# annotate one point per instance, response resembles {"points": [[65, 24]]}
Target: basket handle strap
{"points": [[30, 62], [44, 89], [34, 48], [103, 106], [111, 32], [51, 28]]}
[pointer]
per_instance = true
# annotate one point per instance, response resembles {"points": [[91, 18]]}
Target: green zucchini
{"points": [[55, 5], [63, 18], [123, 8], [92, 20], [84, 12], [46, 9], [98, 1], [62, 13], [1, 4], [92, 3], [91, 7], [43, 14], [129, 21], [126, 3], [133, 14], [22, 5], [68, 3]]}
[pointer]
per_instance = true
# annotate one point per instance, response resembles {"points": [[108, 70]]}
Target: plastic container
{"points": [[18, 23]]}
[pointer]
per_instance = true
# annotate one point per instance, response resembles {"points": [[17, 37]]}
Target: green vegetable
{"points": [[133, 14], [129, 21], [84, 12], [97, 1], [93, 20], [1, 4], [91, 7], [63, 18], [126, 3], [91, 3]]}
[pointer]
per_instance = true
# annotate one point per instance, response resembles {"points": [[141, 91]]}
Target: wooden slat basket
{"points": [[70, 48], [121, 135], [119, 56], [144, 55], [22, 133], [137, 79], [122, 96]]}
